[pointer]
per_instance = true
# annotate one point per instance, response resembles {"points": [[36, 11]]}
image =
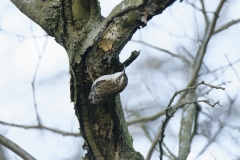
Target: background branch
{"points": [[164, 50], [169, 112], [226, 25], [15, 148], [189, 117], [202, 49], [40, 126]]}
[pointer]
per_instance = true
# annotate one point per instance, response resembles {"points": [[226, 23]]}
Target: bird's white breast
{"points": [[110, 77]]}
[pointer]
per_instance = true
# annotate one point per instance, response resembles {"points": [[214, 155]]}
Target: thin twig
{"points": [[169, 112], [210, 142], [151, 92], [40, 54], [20, 36], [204, 14], [232, 67], [202, 49], [164, 50], [224, 83], [170, 153], [195, 7], [145, 119], [154, 143], [223, 67], [189, 88], [146, 131], [216, 119], [155, 116], [169, 115], [40, 126], [15, 148]]}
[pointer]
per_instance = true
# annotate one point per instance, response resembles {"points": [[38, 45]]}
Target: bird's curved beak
{"points": [[124, 69]]}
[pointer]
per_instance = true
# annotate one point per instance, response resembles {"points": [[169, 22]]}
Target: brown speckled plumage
{"points": [[107, 87]]}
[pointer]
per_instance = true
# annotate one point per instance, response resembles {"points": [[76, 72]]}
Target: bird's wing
{"points": [[106, 89]]}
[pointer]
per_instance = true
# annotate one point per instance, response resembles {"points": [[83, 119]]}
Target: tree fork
{"points": [[93, 44]]}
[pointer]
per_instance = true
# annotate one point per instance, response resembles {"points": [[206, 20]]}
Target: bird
{"points": [[107, 86]]}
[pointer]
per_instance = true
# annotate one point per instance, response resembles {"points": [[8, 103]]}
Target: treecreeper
{"points": [[107, 86]]}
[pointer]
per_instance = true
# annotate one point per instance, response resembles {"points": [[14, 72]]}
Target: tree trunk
{"points": [[93, 44]]}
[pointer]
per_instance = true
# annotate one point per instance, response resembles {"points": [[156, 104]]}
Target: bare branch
{"points": [[215, 119], [210, 142], [146, 131], [232, 67], [164, 50], [226, 25], [153, 95], [184, 151], [145, 119], [40, 126], [155, 116], [209, 90], [203, 10], [169, 112], [189, 88], [15, 148], [194, 6], [154, 143], [21, 36], [40, 54], [204, 14], [129, 61], [223, 67], [170, 153], [202, 49]]}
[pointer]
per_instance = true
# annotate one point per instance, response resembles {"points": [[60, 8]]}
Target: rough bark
{"points": [[93, 44]]}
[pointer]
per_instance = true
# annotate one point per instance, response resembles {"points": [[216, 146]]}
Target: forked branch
{"points": [[169, 112]]}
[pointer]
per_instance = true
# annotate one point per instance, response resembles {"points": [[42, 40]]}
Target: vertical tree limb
{"points": [[185, 140]]}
